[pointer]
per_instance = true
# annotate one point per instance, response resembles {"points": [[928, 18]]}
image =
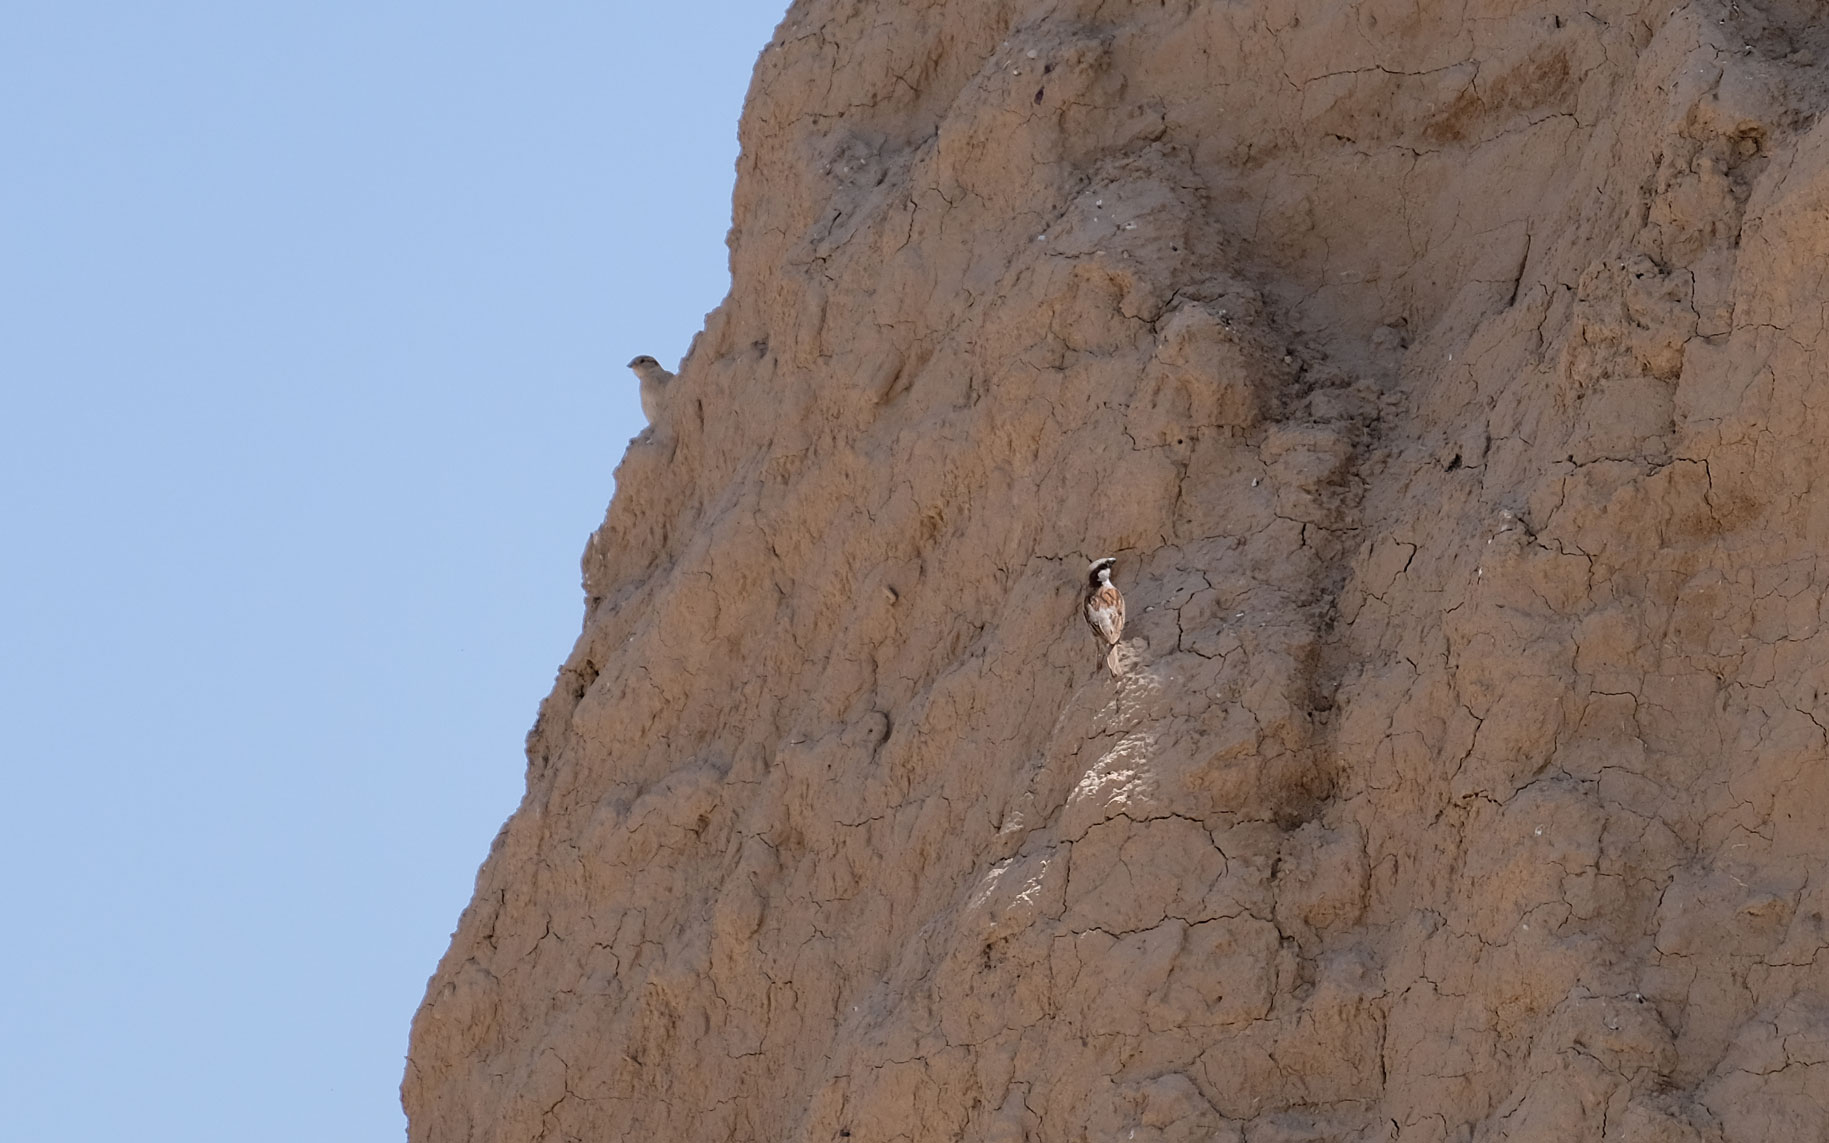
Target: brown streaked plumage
{"points": [[1105, 609]]}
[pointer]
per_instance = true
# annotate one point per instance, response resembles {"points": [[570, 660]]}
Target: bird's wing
{"points": [[1105, 611]]}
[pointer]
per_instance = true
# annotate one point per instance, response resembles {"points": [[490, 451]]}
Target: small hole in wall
{"points": [[587, 675], [1558, 20], [1046, 68], [1455, 463], [1038, 94]]}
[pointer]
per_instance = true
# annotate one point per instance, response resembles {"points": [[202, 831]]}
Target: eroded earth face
{"points": [[1447, 382]]}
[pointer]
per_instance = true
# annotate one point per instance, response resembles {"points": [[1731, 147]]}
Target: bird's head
{"points": [[650, 370], [1100, 572]]}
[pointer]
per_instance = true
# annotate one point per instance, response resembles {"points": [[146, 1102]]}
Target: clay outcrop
{"points": [[1445, 380]]}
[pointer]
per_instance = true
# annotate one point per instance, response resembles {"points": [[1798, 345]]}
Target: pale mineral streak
{"points": [[1445, 379]]}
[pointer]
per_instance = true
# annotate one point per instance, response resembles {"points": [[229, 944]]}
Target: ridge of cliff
{"points": [[1441, 378]]}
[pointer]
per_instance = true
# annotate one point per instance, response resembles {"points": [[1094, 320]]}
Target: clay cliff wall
{"points": [[1444, 379]]}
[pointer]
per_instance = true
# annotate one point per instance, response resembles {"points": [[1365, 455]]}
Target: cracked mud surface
{"points": [[1445, 382]]}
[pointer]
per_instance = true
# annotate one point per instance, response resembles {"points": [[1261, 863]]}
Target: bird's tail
{"points": [[1112, 661]]}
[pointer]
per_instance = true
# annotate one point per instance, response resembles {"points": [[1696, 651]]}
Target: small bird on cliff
{"points": [[654, 382], [1105, 609]]}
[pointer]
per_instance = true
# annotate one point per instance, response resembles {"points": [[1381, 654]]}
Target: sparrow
{"points": [[654, 381], [1105, 609]]}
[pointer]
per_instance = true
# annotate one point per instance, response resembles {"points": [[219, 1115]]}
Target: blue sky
{"points": [[313, 319]]}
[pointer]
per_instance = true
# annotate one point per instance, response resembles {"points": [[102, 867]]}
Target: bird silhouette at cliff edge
{"points": [[654, 382]]}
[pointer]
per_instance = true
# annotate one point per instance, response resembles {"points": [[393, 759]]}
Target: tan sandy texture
{"points": [[1445, 380]]}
